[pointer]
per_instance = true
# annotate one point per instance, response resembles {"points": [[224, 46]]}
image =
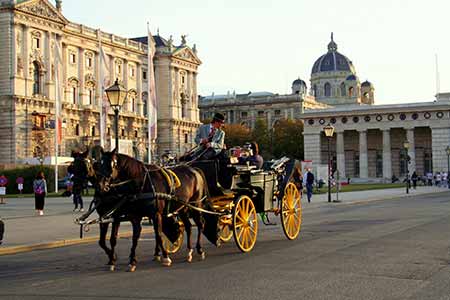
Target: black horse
{"points": [[151, 182]]}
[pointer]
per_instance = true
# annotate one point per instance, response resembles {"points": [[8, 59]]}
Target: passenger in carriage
{"points": [[254, 158]]}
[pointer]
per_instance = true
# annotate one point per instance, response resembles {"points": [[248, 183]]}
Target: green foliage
{"points": [[260, 134], [236, 135], [29, 174], [287, 139]]}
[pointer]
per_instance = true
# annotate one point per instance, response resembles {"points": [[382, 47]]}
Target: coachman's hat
{"points": [[218, 117]]}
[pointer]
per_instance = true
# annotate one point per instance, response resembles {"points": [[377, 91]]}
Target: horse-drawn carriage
{"points": [[224, 200], [239, 194]]}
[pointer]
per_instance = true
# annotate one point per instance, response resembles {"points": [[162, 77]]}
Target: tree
{"points": [[260, 134], [236, 135], [288, 139]]}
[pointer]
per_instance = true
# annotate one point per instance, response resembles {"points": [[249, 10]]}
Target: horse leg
{"points": [[102, 243], [113, 242], [137, 228], [166, 261], [200, 224], [188, 228], [156, 256]]}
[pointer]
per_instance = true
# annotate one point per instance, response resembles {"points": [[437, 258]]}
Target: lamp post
{"points": [[329, 131], [406, 147], [116, 96]]}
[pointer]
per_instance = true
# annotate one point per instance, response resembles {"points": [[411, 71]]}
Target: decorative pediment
{"points": [[186, 53], [41, 8]]}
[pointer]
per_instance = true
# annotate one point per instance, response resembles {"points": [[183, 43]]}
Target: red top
{"points": [[3, 180]]}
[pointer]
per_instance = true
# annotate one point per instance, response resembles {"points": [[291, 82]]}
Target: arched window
{"points": [[350, 91], [327, 89], [36, 78], [343, 91], [144, 103], [315, 90]]}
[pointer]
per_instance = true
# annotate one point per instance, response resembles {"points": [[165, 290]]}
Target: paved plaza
{"points": [[26, 231]]}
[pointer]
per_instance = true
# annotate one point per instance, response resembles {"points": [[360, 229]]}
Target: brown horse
{"points": [[125, 175]]}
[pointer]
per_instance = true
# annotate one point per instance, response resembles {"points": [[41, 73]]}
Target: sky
{"points": [[263, 45]]}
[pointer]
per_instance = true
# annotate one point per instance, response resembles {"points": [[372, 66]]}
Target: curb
{"points": [[388, 198], [61, 243]]}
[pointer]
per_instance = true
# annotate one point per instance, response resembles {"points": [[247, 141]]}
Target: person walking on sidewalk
{"points": [[308, 181], [40, 190], [414, 178]]}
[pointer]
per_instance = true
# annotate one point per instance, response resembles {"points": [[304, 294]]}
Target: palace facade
{"points": [[42, 50]]}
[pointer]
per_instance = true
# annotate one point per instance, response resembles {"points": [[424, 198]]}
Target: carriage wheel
{"points": [[170, 247], [291, 211], [245, 223], [225, 231]]}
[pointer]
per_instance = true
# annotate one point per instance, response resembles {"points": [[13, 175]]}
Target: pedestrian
{"points": [[438, 179], [414, 178], [19, 182], [3, 184], [2, 230], [430, 178], [77, 190], [444, 178], [308, 181], [40, 190]]}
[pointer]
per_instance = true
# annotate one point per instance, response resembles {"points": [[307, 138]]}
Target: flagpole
{"points": [[149, 98], [56, 112], [102, 91]]}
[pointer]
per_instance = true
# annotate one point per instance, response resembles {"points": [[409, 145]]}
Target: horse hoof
{"points": [[112, 268], [189, 257], [202, 256], [166, 261], [131, 268], [156, 258]]}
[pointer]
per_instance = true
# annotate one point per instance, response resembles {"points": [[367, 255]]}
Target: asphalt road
{"points": [[392, 249]]}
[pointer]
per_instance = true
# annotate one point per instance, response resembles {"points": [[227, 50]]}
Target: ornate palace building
{"points": [[29, 31]]}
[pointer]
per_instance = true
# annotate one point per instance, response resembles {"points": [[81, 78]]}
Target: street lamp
{"points": [[116, 96], [406, 146], [329, 131]]}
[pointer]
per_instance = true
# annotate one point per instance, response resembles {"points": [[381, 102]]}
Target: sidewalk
{"points": [[25, 231]]}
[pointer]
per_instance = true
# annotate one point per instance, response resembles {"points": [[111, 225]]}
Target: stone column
{"points": [[387, 164], [440, 139], [81, 92], [363, 159], [26, 58], [340, 153], [411, 150], [48, 66], [312, 148]]}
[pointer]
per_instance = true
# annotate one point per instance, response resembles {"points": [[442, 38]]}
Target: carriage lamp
{"points": [[116, 95], [329, 131]]}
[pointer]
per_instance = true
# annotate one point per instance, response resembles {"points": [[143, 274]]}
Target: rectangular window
{"points": [[260, 113], [74, 95], [36, 43], [119, 69], [244, 114], [277, 112], [89, 62], [132, 72], [91, 97], [73, 58], [186, 138], [144, 75]]}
